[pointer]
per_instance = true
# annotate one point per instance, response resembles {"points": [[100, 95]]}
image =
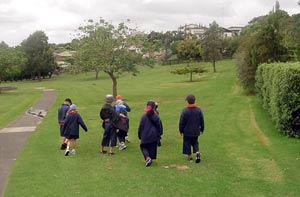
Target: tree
{"points": [[188, 50], [11, 61], [111, 49], [40, 57], [188, 70], [212, 44], [277, 6], [262, 42]]}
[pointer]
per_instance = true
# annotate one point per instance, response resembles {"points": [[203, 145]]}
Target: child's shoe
{"points": [[148, 162], [198, 158], [63, 146], [67, 152], [73, 152], [190, 159], [122, 146], [127, 139]]}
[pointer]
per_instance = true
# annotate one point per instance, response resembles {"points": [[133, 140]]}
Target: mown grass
{"points": [[15, 102], [243, 154]]}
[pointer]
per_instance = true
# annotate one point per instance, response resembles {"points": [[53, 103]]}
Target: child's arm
{"points": [[141, 127], [182, 122], [128, 109], [201, 121], [82, 124]]}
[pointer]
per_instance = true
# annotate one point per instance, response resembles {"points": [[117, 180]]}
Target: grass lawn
{"points": [[14, 103], [243, 154]]}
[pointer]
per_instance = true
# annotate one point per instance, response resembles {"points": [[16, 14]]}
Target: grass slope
{"points": [[14, 103], [243, 154]]}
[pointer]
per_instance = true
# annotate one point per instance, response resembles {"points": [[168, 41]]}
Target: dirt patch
{"points": [[7, 88], [258, 132], [237, 89], [178, 167]]}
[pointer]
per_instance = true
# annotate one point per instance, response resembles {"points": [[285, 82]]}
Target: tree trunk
{"points": [[39, 76], [214, 66], [115, 84], [97, 73]]}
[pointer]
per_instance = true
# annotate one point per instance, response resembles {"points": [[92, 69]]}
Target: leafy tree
{"points": [[11, 61], [230, 46], [212, 44], [40, 57], [188, 70], [292, 36], [166, 42], [188, 50], [261, 42], [112, 49]]}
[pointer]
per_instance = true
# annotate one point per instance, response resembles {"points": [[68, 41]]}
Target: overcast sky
{"points": [[59, 18]]}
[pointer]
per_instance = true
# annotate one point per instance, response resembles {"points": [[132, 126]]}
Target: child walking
{"points": [[191, 125], [122, 124], [122, 104], [62, 114], [109, 117], [71, 129], [149, 133]]}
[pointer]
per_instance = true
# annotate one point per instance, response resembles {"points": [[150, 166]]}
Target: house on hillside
{"points": [[62, 59], [236, 30], [199, 30], [193, 29], [227, 33]]}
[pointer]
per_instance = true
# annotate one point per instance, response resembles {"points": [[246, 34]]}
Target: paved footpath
{"points": [[16, 134]]}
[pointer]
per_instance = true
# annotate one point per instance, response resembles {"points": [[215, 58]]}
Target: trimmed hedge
{"points": [[278, 84]]}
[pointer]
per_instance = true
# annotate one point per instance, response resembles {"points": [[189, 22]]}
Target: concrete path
{"points": [[16, 134]]}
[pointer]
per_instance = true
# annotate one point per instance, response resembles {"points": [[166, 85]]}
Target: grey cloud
{"points": [[158, 15]]}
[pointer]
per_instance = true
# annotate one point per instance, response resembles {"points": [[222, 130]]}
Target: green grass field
{"points": [[243, 154]]}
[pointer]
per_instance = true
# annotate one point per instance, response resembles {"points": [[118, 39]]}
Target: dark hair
{"points": [[190, 99], [68, 100]]}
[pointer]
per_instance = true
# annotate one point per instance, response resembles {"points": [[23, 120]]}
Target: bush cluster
{"points": [[278, 84]]}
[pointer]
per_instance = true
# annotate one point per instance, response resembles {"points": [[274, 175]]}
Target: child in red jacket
{"points": [[191, 125]]}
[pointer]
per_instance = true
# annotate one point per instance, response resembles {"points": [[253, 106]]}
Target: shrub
{"points": [[278, 84]]}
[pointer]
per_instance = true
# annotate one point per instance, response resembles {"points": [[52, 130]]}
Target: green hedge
{"points": [[278, 84]]}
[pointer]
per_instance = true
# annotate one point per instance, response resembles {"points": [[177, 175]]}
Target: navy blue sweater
{"points": [[62, 112], [149, 129], [72, 122], [191, 121], [108, 114]]}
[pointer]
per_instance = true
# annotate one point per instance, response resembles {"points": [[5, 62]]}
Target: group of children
{"points": [[115, 122]]}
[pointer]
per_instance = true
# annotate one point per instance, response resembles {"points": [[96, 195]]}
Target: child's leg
{"points": [[68, 147], [113, 140], [73, 143], [73, 146], [105, 138], [187, 147], [145, 151], [153, 150], [195, 145], [64, 140]]}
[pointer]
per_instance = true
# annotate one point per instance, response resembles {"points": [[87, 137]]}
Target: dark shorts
{"points": [[149, 150], [72, 137], [121, 135], [61, 131], [109, 136], [188, 143]]}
